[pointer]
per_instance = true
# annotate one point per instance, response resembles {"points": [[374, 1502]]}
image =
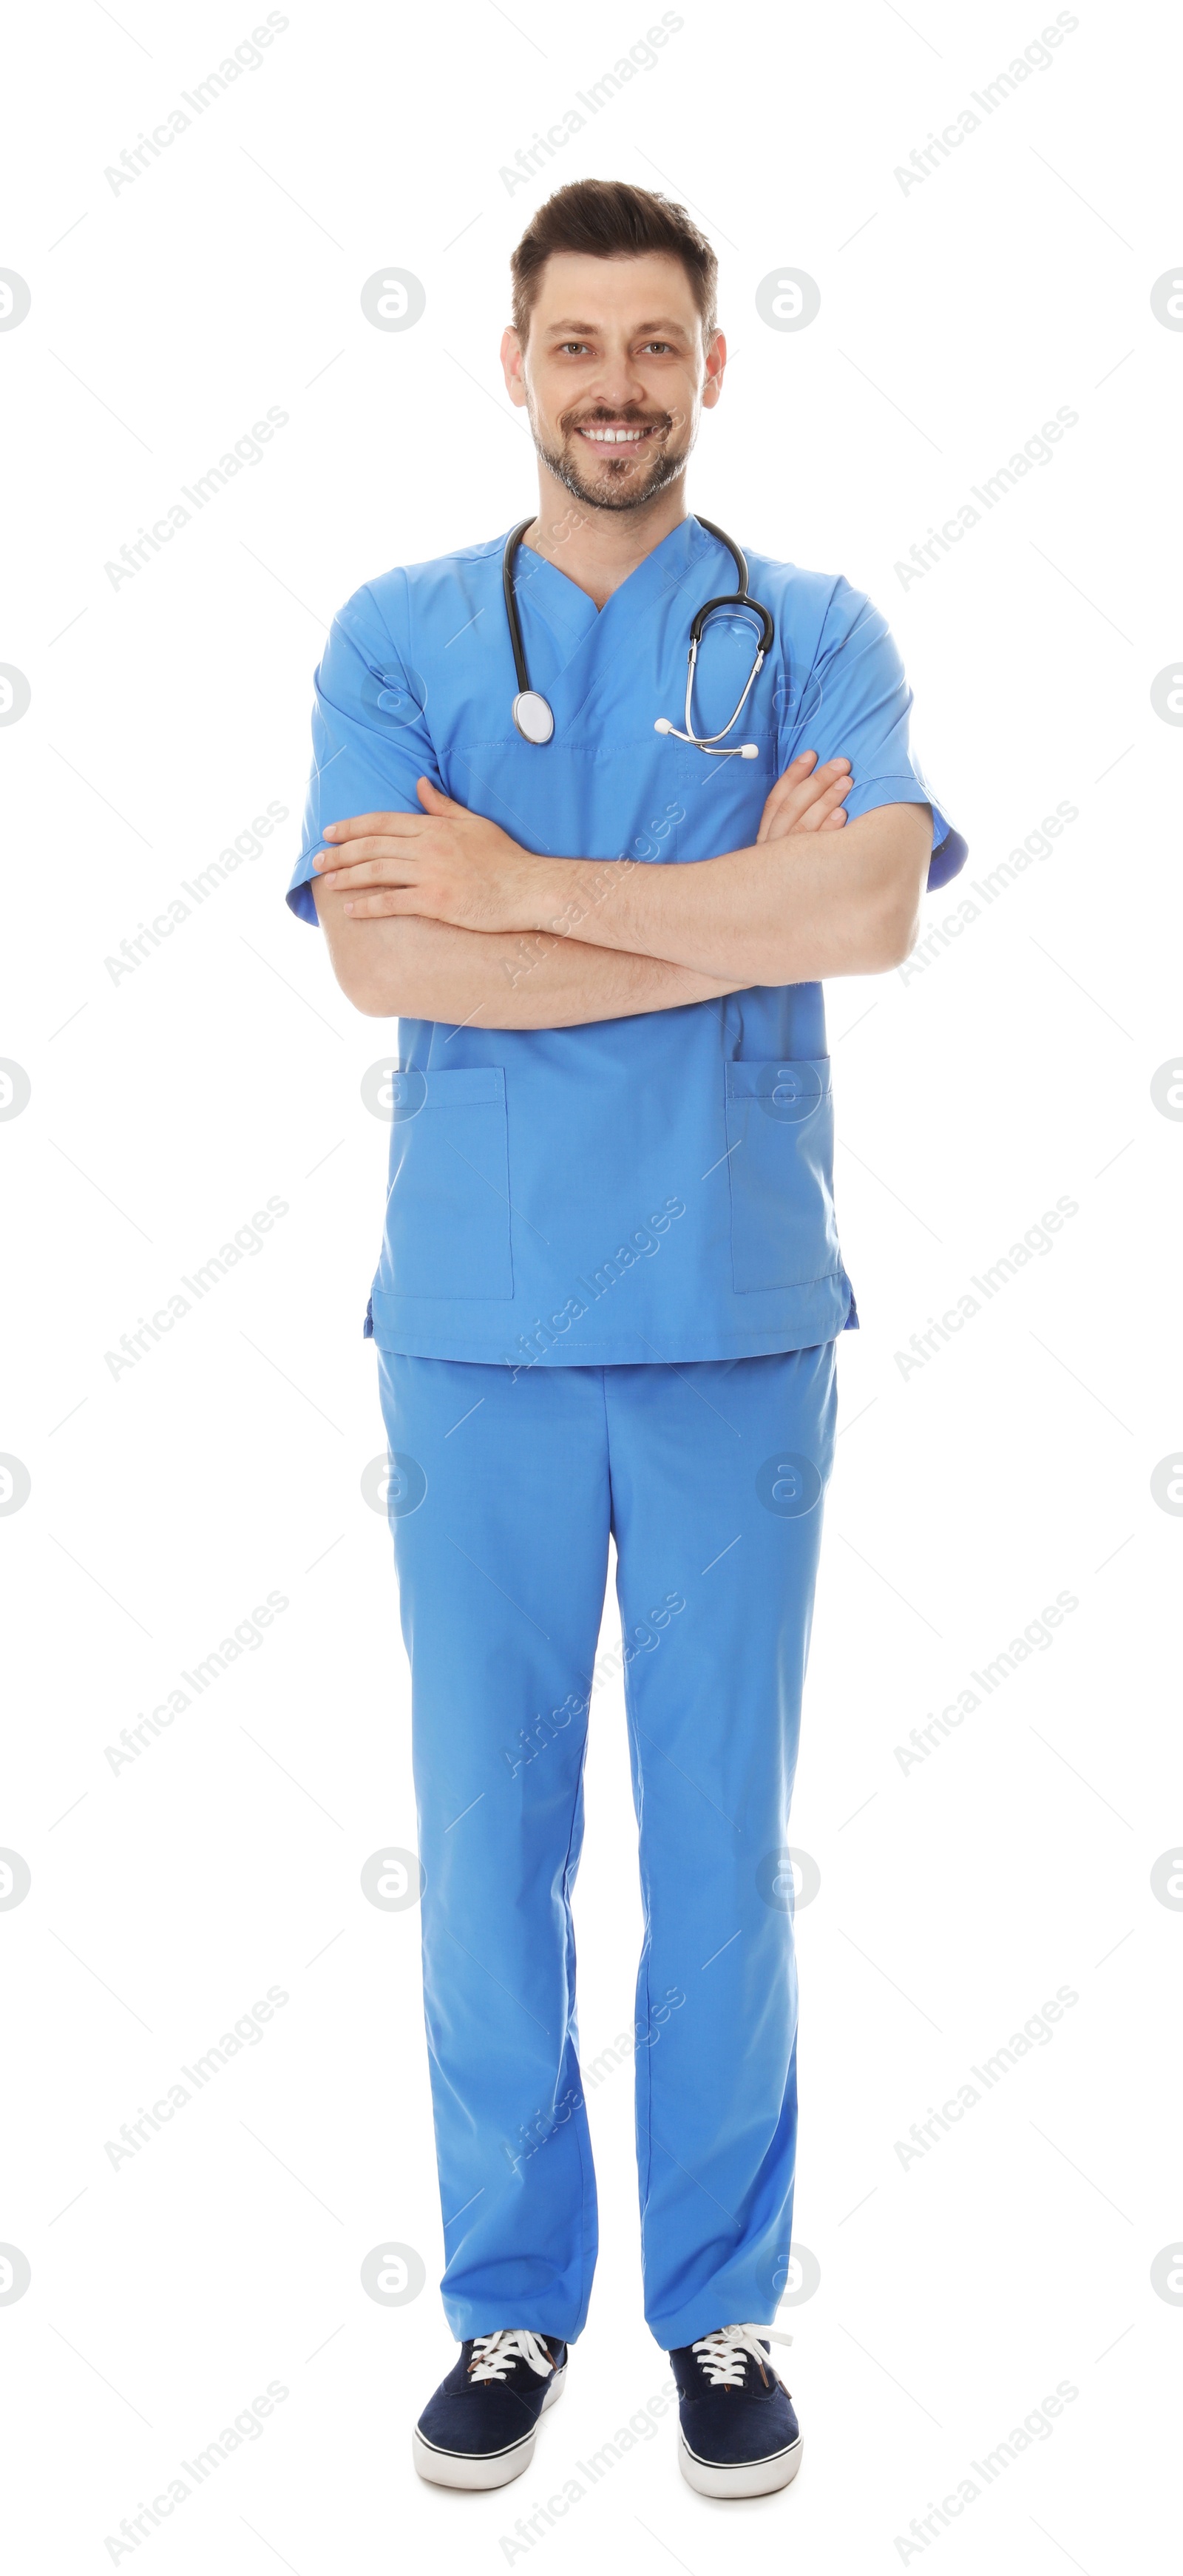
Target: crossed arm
{"points": [[441, 916]]}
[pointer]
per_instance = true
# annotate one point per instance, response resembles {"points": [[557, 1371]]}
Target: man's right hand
{"points": [[806, 798]]}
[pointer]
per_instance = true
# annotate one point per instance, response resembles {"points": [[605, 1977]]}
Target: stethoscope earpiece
{"points": [[740, 750], [533, 716]]}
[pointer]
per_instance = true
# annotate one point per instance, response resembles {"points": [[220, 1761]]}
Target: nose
{"points": [[619, 385]]}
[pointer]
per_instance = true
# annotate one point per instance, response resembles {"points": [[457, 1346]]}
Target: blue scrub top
{"points": [[634, 1190]]}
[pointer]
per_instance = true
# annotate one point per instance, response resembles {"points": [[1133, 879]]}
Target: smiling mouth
{"points": [[607, 435]]}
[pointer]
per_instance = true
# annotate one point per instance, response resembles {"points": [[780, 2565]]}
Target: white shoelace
{"points": [[493, 2355], [725, 2353]]}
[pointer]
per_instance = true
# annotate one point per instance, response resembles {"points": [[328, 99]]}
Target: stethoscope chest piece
{"points": [[532, 716]]}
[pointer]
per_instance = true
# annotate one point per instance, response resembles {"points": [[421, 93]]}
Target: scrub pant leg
{"points": [[503, 1492]]}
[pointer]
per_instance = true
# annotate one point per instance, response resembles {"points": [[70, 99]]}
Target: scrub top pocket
{"points": [[447, 1217], [780, 1145]]}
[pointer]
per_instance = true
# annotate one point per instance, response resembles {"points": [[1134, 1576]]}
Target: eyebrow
{"points": [[586, 330]]}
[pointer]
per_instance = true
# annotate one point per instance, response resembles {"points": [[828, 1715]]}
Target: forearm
{"points": [[785, 911], [410, 967]]}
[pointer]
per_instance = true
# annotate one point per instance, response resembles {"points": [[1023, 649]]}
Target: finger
{"points": [[814, 817], [817, 780], [355, 826], [370, 872], [368, 845], [798, 770], [380, 907], [798, 806], [377, 845], [834, 822], [806, 765], [796, 791], [433, 799]]}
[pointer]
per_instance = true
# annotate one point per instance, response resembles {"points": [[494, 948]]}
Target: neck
{"points": [[598, 549]]}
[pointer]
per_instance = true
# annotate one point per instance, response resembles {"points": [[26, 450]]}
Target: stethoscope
{"points": [[531, 712]]}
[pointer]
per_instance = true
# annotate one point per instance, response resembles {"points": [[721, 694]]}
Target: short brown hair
{"points": [[608, 219]]}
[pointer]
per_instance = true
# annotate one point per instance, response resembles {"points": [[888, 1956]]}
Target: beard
{"points": [[609, 486]]}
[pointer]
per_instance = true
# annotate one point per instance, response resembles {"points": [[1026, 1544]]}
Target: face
{"points": [[614, 375]]}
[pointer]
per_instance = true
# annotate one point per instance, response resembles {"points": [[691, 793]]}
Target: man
{"points": [[609, 1294]]}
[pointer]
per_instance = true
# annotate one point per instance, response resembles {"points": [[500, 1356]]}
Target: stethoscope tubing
{"points": [[512, 543]]}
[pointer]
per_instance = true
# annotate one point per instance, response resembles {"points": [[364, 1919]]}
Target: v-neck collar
{"points": [[572, 614]]}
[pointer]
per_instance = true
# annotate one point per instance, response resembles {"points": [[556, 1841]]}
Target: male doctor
{"points": [[609, 1294]]}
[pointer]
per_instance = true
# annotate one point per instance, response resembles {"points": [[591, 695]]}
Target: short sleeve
{"points": [[370, 738], [856, 701]]}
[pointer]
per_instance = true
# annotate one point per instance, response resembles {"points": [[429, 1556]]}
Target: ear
{"points": [[716, 361], [512, 360]]}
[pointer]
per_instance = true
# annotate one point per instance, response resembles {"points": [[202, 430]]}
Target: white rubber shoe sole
{"points": [[745, 2478], [483, 2468]]}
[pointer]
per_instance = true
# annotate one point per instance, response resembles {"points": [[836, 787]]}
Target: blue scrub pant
{"points": [[503, 1492]]}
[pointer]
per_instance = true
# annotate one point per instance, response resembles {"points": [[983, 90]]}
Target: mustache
{"points": [[628, 417]]}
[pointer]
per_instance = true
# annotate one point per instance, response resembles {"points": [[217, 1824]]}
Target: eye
{"points": [[572, 348], [663, 348]]}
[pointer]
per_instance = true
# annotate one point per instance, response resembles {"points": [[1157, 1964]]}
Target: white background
{"points": [[1015, 1069]]}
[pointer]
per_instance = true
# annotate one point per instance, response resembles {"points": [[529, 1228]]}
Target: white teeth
{"points": [[614, 437]]}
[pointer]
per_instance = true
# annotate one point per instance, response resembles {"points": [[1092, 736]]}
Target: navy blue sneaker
{"points": [[739, 2435], [480, 2427]]}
